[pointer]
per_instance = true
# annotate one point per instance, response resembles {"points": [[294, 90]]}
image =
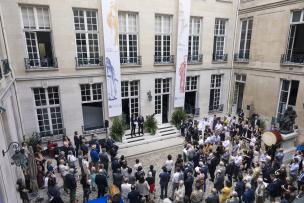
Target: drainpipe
{"points": [[12, 74], [229, 102]]}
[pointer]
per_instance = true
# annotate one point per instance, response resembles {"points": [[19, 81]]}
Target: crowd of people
{"points": [[223, 161]]}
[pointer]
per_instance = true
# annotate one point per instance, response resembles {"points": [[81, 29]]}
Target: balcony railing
{"points": [[96, 129], [287, 59], [195, 59], [163, 60], [220, 58], [83, 62], [40, 63], [130, 60], [241, 58]]}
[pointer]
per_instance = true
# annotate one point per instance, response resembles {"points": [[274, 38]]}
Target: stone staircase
{"points": [[164, 131]]}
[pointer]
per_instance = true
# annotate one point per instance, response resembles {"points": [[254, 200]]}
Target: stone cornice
{"points": [[137, 72], [269, 6], [269, 70]]}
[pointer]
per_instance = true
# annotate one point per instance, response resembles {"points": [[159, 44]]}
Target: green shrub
{"points": [[150, 124], [178, 116], [33, 141], [117, 129]]}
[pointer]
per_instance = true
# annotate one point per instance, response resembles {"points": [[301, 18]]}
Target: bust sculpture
{"points": [[288, 120]]}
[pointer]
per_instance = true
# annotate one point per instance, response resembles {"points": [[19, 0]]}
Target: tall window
{"points": [[130, 91], [288, 96], [162, 87], [163, 29], [245, 39], [219, 40], [87, 42], [92, 106], [128, 38], [37, 31], [47, 102], [295, 48], [215, 92], [194, 39]]}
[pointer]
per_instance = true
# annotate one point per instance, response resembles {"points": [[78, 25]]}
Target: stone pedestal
{"points": [[288, 144]]}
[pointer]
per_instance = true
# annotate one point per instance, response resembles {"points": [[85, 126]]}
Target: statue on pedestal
{"points": [[288, 120]]}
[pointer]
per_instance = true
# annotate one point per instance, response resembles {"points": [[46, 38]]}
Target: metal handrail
{"points": [[195, 59], [83, 62], [164, 59], [40, 63], [130, 60]]}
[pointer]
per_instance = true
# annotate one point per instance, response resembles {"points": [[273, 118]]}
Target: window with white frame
{"points": [[91, 92], [245, 38], [37, 32], [215, 92], [130, 91], [87, 42], [163, 29], [162, 86], [288, 96], [128, 37], [48, 110], [219, 39], [295, 48], [194, 39], [92, 106], [191, 83]]}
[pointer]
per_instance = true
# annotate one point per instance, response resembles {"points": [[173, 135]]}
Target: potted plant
{"points": [[178, 116], [117, 129], [150, 124]]}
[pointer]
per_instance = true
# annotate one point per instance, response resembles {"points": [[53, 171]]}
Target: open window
{"points": [[295, 48]]}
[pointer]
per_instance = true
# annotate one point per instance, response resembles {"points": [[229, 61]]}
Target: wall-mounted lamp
{"points": [[2, 110], [19, 157], [149, 94]]}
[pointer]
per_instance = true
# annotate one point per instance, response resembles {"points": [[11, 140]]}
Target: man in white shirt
{"points": [[177, 176], [125, 189]]}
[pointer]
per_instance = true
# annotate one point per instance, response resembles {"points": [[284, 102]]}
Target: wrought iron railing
{"points": [[83, 62], [292, 59], [241, 58], [220, 57], [40, 63], [130, 60], [195, 59], [164, 59]]}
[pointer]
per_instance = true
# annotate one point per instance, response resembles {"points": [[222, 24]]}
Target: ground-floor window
{"points": [[215, 93], [48, 110], [92, 106], [191, 94], [238, 94], [288, 96], [162, 96], [130, 100]]}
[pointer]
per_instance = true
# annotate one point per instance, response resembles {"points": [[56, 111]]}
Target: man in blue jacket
{"points": [[94, 155], [164, 180], [248, 196]]}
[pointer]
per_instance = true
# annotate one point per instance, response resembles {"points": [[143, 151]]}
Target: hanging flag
{"points": [[182, 52], [112, 60]]}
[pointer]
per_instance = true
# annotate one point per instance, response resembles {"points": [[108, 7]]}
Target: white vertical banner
{"points": [[182, 52], [112, 59]]}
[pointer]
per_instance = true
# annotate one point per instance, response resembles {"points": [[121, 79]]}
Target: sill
{"points": [[39, 69], [242, 61], [225, 1], [195, 63], [163, 64], [126, 65], [293, 64], [219, 62], [214, 111], [88, 67]]}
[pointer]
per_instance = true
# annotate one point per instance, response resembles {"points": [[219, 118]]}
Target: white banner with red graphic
{"points": [[182, 52]]}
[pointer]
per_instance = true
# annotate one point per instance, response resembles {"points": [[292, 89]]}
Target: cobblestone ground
{"points": [[157, 158]]}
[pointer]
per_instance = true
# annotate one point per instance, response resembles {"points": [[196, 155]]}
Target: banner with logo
{"points": [[182, 52], [112, 59]]}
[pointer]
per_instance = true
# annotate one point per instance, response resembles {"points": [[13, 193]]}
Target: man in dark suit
{"points": [[76, 142], [140, 121], [102, 183], [164, 180], [133, 125], [134, 196], [213, 197]]}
